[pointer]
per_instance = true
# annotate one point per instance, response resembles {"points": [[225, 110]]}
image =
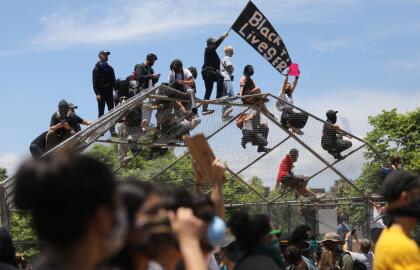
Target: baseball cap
{"points": [[332, 237], [104, 52], [329, 112], [151, 56], [397, 182], [63, 104], [72, 106], [211, 40]]}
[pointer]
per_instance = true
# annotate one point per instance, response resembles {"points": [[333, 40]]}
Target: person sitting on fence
{"points": [[248, 87], [332, 138], [183, 80], [254, 131], [64, 124], [287, 178], [290, 119]]}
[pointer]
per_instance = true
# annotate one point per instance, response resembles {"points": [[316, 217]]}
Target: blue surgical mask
{"points": [[216, 232]]}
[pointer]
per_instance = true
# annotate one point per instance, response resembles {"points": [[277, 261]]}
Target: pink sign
{"points": [[294, 70]]}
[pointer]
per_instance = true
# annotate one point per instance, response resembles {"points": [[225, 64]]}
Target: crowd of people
{"points": [[86, 219], [177, 118]]}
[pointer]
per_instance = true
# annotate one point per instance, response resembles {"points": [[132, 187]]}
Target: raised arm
{"points": [[219, 41], [286, 81], [295, 83], [218, 172]]}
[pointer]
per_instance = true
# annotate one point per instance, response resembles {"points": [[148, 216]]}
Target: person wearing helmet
{"points": [[332, 139]]}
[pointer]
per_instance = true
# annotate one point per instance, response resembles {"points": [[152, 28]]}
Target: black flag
{"points": [[254, 27]]}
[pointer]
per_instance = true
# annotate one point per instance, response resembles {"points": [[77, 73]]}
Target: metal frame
{"points": [[91, 134]]}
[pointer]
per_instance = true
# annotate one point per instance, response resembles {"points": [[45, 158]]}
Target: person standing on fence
{"points": [[226, 69], [290, 119], [104, 83], [146, 78], [332, 138], [211, 70], [395, 249], [287, 178]]}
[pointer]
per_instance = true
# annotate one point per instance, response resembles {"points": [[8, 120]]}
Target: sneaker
{"points": [[227, 118], [150, 107], [297, 131], [338, 156], [207, 111], [130, 139], [243, 144], [227, 112], [263, 149]]}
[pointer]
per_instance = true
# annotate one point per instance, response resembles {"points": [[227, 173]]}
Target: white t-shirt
{"points": [[282, 105], [377, 222], [178, 76], [365, 258], [227, 61], [248, 124]]}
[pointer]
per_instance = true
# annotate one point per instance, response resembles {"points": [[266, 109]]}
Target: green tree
{"points": [[3, 174], [393, 133]]}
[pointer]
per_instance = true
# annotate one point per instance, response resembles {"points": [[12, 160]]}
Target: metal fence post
{"points": [[367, 217]]}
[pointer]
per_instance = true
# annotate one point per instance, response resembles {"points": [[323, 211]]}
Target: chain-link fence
{"points": [[148, 145]]}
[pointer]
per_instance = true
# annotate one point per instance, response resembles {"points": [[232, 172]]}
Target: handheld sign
{"points": [[202, 156], [294, 70], [255, 28]]}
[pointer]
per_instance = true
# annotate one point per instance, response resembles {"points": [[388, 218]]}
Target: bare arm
{"points": [[188, 229], [286, 80], [87, 122], [295, 83], [189, 82], [218, 171]]}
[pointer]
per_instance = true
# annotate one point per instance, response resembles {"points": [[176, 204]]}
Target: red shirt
{"points": [[285, 168]]}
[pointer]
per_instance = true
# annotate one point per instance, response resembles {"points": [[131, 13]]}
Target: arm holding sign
{"points": [[286, 81], [218, 172], [295, 82]]}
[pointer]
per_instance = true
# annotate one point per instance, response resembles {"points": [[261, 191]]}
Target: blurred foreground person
{"points": [[7, 251], [261, 249], [395, 249], [75, 212]]}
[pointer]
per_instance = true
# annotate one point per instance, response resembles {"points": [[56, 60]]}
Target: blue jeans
{"points": [[227, 91]]}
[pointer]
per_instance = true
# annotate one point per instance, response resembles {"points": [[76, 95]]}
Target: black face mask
{"points": [[332, 118], [63, 113]]}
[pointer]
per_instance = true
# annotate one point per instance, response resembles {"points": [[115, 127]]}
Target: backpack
{"points": [[357, 265]]}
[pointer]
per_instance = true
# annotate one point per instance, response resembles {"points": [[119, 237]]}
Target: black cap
{"points": [[397, 182], [151, 56], [63, 104], [330, 112], [211, 40], [104, 52], [72, 106]]}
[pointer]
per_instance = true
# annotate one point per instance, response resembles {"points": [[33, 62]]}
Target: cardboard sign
{"points": [[255, 28], [294, 70], [202, 156]]}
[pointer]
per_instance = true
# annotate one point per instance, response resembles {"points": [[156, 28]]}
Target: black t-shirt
{"points": [[329, 134], [72, 119], [211, 59], [257, 262], [144, 73]]}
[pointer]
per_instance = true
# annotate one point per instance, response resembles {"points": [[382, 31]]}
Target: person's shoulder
{"points": [[242, 80], [187, 73]]}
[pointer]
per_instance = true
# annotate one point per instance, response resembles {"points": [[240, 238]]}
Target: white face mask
{"points": [[117, 237]]}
